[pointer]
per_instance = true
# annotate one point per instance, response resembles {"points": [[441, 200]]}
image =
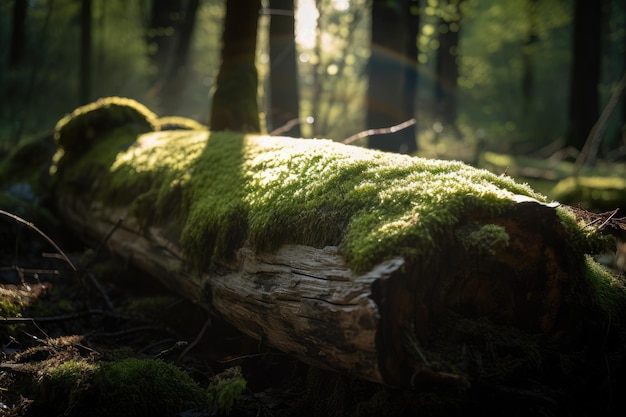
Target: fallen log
{"points": [[391, 268]]}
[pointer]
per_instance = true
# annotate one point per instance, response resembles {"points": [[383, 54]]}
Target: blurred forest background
{"points": [[527, 77]]}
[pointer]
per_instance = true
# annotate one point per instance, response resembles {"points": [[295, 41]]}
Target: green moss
{"points": [[581, 238], [9, 308], [224, 189], [145, 387], [76, 132], [373, 204], [607, 293], [178, 123], [131, 387], [225, 389], [62, 387], [27, 163], [482, 238]]}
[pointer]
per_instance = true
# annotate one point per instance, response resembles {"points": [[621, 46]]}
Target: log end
{"points": [[503, 293]]}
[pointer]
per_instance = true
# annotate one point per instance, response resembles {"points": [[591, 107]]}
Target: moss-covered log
{"points": [[386, 267]]}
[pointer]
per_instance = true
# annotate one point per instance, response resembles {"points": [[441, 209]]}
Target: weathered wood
{"points": [[519, 267], [302, 300]]}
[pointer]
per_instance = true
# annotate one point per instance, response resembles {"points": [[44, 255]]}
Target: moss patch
{"points": [[141, 387], [131, 387], [225, 189], [76, 131], [487, 238], [225, 389]]}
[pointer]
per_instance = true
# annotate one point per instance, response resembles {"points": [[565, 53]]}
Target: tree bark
{"points": [[18, 33], [235, 100], [284, 97], [164, 25], [176, 79], [387, 102], [584, 104], [528, 59], [85, 52], [446, 89]]}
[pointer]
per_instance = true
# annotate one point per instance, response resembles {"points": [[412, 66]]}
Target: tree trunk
{"points": [[85, 52], [528, 60], [18, 33], [164, 25], [333, 254], [584, 105], [235, 105], [411, 71], [446, 89], [387, 70], [284, 98], [176, 79]]}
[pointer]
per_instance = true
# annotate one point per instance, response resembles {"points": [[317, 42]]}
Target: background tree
{"points": [[447, 70], [177, 71], [235, 99], [528, 57], [585, 70], [18, 33], [164, 23], [284, 101], [85, 51], [409, 93], [387, 70]]}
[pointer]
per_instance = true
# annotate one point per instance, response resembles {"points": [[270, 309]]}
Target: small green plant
{"points": [[225, 389]]}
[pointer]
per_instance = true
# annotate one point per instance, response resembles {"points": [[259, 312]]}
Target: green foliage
{"points": [[225, 389]]}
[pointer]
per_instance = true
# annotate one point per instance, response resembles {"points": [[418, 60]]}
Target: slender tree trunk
{"points": [[411, 74], [623, 130], [235, 100], [446, 89], [164, 24], [176, 79], [315, 69], [528, 59], [18, 33], [85, 52], [284, 97], [583, 106], [387, 69]]}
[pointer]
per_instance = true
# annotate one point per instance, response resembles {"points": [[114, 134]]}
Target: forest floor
{"points": [[69, 310], [75, 304]]}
